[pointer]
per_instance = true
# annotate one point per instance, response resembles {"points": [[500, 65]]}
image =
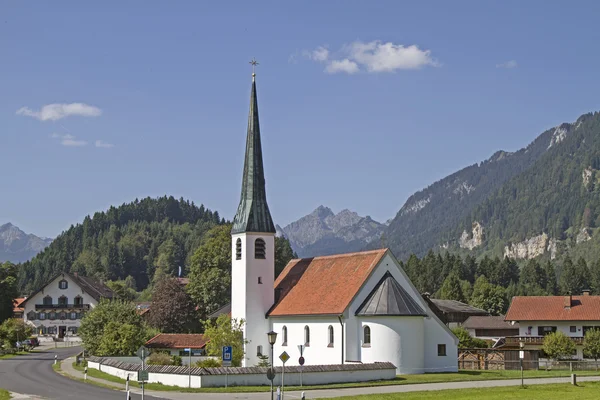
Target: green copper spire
{"points": [[253, 212]]}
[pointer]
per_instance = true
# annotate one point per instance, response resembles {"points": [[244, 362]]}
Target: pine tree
{"points": [[452, 288], [551, 284]]}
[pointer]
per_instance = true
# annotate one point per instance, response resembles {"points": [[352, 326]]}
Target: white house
{"points": [[57, 307], [539, 315], [358, 307]]}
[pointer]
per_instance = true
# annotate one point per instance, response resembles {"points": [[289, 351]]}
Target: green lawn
{"points": [[4, 395], [466, 375], [584, 391], [5, 356]]}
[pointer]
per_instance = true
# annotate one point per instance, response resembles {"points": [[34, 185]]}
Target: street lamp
{"points": [[521, 356], [272, 339]]}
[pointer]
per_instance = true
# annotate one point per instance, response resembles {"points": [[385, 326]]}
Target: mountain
{"points": [[323, 233], [17, 246], [511, 204]]}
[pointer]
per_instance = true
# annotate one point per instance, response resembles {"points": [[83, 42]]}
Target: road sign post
{"points": [[283, 357], [142, 353], [226, 358], [301, 361], [189, 367]]}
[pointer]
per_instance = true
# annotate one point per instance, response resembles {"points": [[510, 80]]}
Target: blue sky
{"points": [[361, 103]]}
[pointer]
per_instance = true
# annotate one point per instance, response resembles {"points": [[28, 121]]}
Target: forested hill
{"points": [[135, 239], [553, 207], [430, 217]]}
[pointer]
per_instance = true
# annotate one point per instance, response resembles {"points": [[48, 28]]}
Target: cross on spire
{"points": [[254, 63]]}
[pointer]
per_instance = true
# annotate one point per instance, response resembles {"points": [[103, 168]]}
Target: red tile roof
{"points": [[17, 304], [323, 285], [177, 341], [552, 308]]}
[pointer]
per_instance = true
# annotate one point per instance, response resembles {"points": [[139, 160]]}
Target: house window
{"points": [[544, 330], [441, 350], [78, 301], [52, 316], [63, 315], [238, 249], [63, 300], [573, 329], [31, 315], [330, 332], [47, 301], [72, 329], [260, 280], [259, 249], [259, 352], [284, 336], [51, 330], [367, 336], [63, 284], [42, 315], [307, 336], [74, 315]]}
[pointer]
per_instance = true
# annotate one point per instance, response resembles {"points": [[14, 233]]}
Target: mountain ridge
{"points": [[17, 246]]}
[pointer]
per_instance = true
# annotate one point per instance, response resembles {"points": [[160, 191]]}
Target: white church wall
{"points": [[251, 298], [319, 352], [219, 380], [399, 340], [435, 332]]}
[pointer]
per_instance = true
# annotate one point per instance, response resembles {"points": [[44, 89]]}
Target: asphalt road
{"points": [[32, 374]]}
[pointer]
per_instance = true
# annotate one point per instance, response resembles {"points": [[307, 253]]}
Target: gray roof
{"points": [[253, 212], [390, 299], [488, 322], [454, 306]]}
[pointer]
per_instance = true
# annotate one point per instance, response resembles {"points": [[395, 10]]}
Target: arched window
{"points": [[63, 315], [238, 249], [78, 300], [63, 284], [330, 331], [52, 316], [260, 248], [284, 336], [306, 336], [259, 352], [366, 336], [31, 315], [47, 301], [63, 300]]}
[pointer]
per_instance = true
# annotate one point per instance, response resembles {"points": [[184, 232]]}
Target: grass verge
{"points": [[461, 376], [19, 353], [4, 395], [584, 391]]}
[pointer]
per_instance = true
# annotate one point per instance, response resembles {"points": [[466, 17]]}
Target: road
{"points": [[32, 374]]}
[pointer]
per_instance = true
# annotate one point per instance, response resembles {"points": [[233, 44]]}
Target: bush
{"points": [[465, 341], [160, 359], [176, 360], [209, 363]]}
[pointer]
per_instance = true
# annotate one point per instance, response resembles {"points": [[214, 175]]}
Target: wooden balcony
{"points": [[533, 340], [62, 306]]}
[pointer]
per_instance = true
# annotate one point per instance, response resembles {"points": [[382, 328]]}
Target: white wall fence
{"points": [[185, 360], [249, 376]]}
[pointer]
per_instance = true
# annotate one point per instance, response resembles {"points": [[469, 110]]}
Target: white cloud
{"points": [[345, 65], [508, 64], [54, 112], [68, 140], [372, 57], [104, 145]]}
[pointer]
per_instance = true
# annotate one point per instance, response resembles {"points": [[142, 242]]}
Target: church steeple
{"points": [[253, 212]]}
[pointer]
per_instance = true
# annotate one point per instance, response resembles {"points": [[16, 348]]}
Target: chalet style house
{"points": [[57, 307]]}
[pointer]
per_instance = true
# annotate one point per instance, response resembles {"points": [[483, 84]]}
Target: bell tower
{"points": [[253, 246]]}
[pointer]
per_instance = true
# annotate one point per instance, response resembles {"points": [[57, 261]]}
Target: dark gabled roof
{"points": [[253, 212], [488, 322], [388, 298], [454, 306], [94, 288], [226, 309]]}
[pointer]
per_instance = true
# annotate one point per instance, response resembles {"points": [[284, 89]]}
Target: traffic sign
{"points": [[271, 373], [301, 361], [226, 356], [142, 376], [143, 352], [284, 357], [521, 354]]}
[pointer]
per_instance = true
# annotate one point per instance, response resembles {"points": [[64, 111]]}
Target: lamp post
{"points": [[521, 356], [272, 339]]}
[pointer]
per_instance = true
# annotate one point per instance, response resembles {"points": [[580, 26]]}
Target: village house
{"points": [[538, 316], [56, 309]]}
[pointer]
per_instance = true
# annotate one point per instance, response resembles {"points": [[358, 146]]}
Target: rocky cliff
{"points": [[18, 246]]}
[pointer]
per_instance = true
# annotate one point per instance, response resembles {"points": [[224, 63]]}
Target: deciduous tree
{"points": [[172, 309], [225, 331], [591, 344], [558, 345]]}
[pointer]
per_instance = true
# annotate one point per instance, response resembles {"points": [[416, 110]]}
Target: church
{"points": [[346, 308]]}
